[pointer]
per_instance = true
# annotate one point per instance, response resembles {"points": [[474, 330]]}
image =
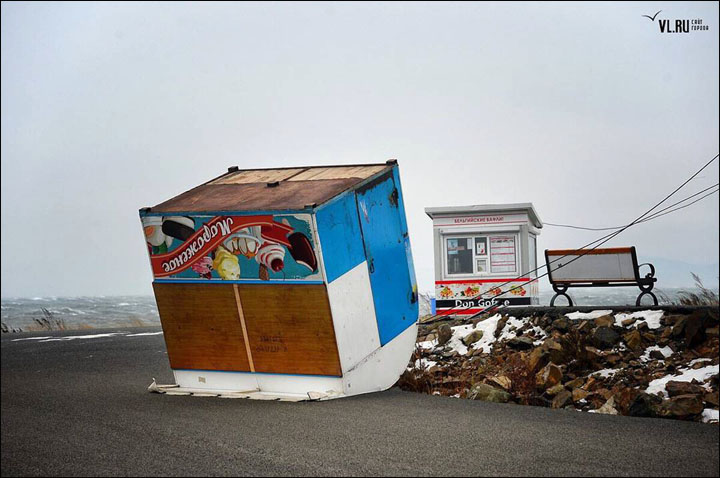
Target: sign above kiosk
{"points": [[488, 214]]}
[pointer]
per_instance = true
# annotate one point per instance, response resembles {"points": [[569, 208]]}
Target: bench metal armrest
{"points": [[652, 270]]}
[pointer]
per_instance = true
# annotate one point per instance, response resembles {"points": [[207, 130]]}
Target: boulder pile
{"points": [[652, 363]]}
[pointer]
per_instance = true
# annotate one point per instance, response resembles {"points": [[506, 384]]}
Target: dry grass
{"points": [[48, 322], [701, 296], [6, 329]]}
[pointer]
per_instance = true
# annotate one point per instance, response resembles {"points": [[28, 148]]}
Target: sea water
{"points": [[80, 312], [135, 311]]}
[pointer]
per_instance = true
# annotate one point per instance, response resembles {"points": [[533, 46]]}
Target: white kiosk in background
{"points": [[484, 255]]}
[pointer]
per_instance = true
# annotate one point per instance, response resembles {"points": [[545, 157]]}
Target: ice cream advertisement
{"points": [[231, 247]]}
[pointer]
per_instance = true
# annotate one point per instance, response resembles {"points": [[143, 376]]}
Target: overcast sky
{"points": [[587, 111]]}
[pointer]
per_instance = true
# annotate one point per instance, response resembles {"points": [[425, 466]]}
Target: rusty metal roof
{"points": [[271, 189]]}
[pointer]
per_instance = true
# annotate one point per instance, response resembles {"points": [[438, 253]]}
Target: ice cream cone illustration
{"points": [[226, 264], [246, 242], [157, 240], [272, 256]]}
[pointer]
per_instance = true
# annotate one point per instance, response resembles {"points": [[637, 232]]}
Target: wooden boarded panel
{"points": [[258, 176], [202, 327], [337, 172], [248, 190], [288, 195], [290, 329]]}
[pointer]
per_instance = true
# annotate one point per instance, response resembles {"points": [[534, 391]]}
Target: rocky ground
{"points": [[653, 363]]}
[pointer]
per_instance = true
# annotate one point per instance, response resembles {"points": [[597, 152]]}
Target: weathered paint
{"points": [[353, 311], [204, 247], [298, 385], [380, 370], [384, 237], [340, 236]]}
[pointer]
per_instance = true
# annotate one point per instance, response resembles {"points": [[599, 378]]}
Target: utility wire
{"points": [[599, 242], [620, 227]]}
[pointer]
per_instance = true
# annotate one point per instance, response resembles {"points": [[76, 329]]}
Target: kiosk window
{"points": [[481, 246], [459, 255], [502, 254]]}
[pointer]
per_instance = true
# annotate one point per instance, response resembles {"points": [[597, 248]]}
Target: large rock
{"points": [[500, 326], [712, 398], [657, 355], [681, 407], [624, 397], [472, 337], [608, 408], [556, 350], [633, 339], [503, 381], [555, 389], [562, 399], [562, 324], [695, 329], [605, 337], [628, 322], [538, 358], [679, 327], [488, 393], [444, 333], [521, 343], [605, 321], [547, 377], [675, 388], [644, 405], [579, 394]]}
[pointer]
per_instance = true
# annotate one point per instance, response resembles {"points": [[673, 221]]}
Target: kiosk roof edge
{"points": [[528, 207]]}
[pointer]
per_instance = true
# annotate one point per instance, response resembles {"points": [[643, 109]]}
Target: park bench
{"points": [[610, 267]]}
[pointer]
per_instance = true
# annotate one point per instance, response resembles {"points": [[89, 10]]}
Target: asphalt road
{"points": [[81, 407]]}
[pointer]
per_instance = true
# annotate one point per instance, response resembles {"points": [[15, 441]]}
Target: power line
{"points": [[648, 218], [600, 241], [613, 234]]}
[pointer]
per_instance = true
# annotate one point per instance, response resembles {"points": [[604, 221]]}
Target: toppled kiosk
{"points": [[485, 255], [288, 283]]}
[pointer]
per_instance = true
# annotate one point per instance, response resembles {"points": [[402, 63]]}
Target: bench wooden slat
{"points": [[612, 266]]}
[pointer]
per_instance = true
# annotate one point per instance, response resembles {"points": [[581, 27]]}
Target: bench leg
{"points": [[645, 292], [558, 294]]}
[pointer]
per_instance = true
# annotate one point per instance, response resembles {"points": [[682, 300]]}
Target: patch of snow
{"points": [[423, 364], [427, 344], [587, 315], [32, 338], [459, 332], [651, 317], [686, 375], [699, 360], [666, 351], [606, 372], [488, 326], [144, 333], [73, 337], [513, 324], [710, 415]]}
